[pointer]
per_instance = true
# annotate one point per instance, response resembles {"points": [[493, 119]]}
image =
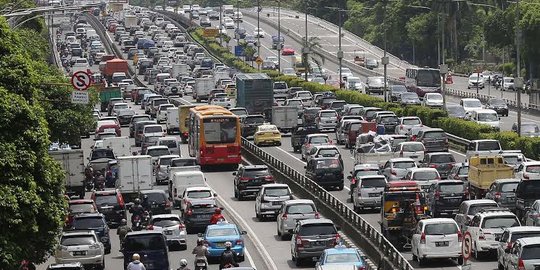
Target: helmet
{"points": [[183, 262], [200, 241], [136, 257], [137, 201], [218, 211], [123, 221], [145, 197], [228, 244]]}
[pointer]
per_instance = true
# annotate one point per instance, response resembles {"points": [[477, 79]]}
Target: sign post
{"points": [[80, 81], [259, 61], [466, 251]]}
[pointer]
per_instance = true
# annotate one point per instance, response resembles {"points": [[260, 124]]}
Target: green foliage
{"points": [[462, 128]]}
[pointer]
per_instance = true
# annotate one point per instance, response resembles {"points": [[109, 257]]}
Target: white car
{"points": [[222, 100], [487, 226], [119, 106], [424, 177], [161, 114], [476, 80], [509, 237], [161, 169], [270, 199], [508, 84], [345, 72], [471, 104], [433, 100], [529, 170], [172, 227], [80, 246], [408, 122], [436, 238], [228, 23], [196, 193], [485, 116], [413, 150], [259, 32]]}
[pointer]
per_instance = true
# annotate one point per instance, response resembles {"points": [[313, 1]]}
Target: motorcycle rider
{"points": [[136, 263], [228, 257], [217, 216], [122, 230], [200, 251], [146, 204], [183, 265], [136, 210]]}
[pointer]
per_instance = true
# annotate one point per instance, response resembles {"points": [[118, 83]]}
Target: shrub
{"points": [[463, 128]]}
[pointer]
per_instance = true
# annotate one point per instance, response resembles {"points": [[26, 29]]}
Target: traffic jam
{"points": [[142, 189]]}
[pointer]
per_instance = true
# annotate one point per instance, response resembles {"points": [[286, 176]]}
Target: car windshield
{"points": [[533, 169], [472, 103], [409, 95], [425, 175], [463, 170], [499, 222], [300, 209], [435, 97], [254, 120], [366, 172], [373, 182], [530, 252], [169, 144], [180, 162], [317, 229], [280, 85], [455, 110], [328, 114], [528, 189], [404, 165], [488, 117], [199, 194], [84, 223], [239, 112], [165, 161], [77, 240], [412, 121], [276, 192], [475, 208], [512, 160], [519, 235], [120, 106], [102, 153], [145, 242], [166, 222], [488, 145], [218, 232], [355, 111], [441, 229], [256, 173], [304, 95], [81, 208], [412, 147], [429, 78], [153, 129], [157, 197], [158, 152], [342, 258], [509, 187], [319, 140], [389, 119], [106, 200], [328, 164], [328, 152], [451, 187], [443, 159], [376, 80]]}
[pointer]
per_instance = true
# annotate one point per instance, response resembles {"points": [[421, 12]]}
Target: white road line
{"points": [[250, 259]]}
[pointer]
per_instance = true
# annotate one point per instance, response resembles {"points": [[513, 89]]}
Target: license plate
{"points": [[414, 157], [204, 216], [441, 244], [374, 194], [329, 174], [109, 130], [319, 243], [79, 253], [277, 203], [220, 245]]}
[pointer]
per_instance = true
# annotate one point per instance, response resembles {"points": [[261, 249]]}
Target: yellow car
{"points": [[230, 89], [267, 134]]}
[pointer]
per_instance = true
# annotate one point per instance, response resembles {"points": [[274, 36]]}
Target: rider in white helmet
{"points": [[183, 265], [136, 263]]}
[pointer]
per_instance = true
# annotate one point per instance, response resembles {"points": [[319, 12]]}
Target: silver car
{"points": [[81, 246], [368, 191], [270, 198], [509, 237], [292, 211], [172, 227], [396, 168], [311, 141], [327, 119], [408, 122], [503, 191], [161, 168]]}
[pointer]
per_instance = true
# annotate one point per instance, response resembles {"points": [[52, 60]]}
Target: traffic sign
{"points": [[81, 80], [259, 60], [210, 32], [238, 50], [466, 247], [80, 97]]}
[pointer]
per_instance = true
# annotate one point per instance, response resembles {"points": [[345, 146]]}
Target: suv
{"points": [[445, 196], [526, 193], [111, 204], [327, 119], [326, 171], [396, 168], [469, 208], [249, 179], [161, 168], [434, 139], [172, 227], [313, 140], [442, 161], [483, 147], [524, 254], [250, 123], [367, 192], [311, 238], [503, 191], [97, 223], [197, 214], [270, 198], [291, 212], [436, 238], [361, 170], [324, 151], [486, 227], [134, 120], [151, 245], [509, 237], [158, 200], [80, 246]]}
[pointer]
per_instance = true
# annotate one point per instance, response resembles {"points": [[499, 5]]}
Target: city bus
{"points": [[423, 80], [214, 136]]}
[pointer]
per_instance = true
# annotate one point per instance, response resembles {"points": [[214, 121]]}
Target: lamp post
{"points": [[518, 80], [237, 22], [384, 59], [279, 45], [258, 30], [305, 50]]}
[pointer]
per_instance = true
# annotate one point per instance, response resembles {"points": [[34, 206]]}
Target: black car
{"points": [[95, 222], [442, 161], [396, 91], [460, 171], [158, 201], [111, 204], [250, 123], [389, 122], [240, 33], [326, 171], [249, 179], [298, 136], [197, 214], [445, 196], [526, 193], [498, 105]]}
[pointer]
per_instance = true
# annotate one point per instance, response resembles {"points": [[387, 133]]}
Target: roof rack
{"points": [[494, 209]]}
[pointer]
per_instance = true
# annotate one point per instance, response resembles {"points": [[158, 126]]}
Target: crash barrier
{"points": [[484, 98], [367, 238]]}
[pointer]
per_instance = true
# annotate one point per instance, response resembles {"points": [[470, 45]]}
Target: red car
{"points": [[78, 207], [109, 128], [287, 51]]}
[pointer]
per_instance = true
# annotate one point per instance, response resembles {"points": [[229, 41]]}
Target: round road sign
{"points": [[466, 247], [81, 80]]}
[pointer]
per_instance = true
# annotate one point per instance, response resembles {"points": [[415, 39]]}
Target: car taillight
{"points": [[353, 180], [423, 238], [330, 142], [181, 226], [433, 166], [167, 203], [150, 227], [413, 138], [189, 212], [284, 217], [460, 236], [497, 195], [120, 201], [521, 265], [317, 215], [269, 178], [239, 242], [299, 242], [244, 179]]}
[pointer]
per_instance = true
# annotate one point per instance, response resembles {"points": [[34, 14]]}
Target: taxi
{"points": [[341, 257], [267, 134], [218, 234]]}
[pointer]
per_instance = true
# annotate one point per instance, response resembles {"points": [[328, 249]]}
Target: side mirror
{"points": [[215, 194], [349, 177], [497, 238], [243, 232]]}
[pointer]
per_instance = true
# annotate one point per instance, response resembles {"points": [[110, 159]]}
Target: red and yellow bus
{"points": [[214, 136]]}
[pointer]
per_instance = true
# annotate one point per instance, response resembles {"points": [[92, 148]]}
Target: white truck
{"points": [[285, 117], [134, 174], [203, 87], [228, 10], [121, 146], [72, 161], [221, 75], [183, 179], [179, 69], [130, 21], [173, 121]]}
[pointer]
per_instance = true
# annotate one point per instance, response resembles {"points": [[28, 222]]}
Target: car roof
{"points": [[502, 212], [317, 135], [65, 265], [89, 215], [168, 138], [528, 163], [438, 220], [479, 201], [413, 170], [165, 216], [78, 232], [81, 201], [523, 229], [485, 111], [392, 160], [153, 191], [274, 185], [168, 156], [340, 250], [449, 181], [299, 201], [198, 188], [469, 99], [366, 166], [144, 232], [439, 154], [157, 147], [255, 167], [106, 192], [326, 146], [507, 180], [222, 225], [529, 241], [315, 221]]}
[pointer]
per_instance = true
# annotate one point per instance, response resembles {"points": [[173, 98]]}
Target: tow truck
{"points": [[403, 205]]}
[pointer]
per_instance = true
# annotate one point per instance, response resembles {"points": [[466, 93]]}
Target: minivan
{"points": [[434, 139], [368, 192], [483, 147], [183, 179], [150, 245]]}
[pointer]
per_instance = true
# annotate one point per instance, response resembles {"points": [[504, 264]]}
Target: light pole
{"points": [[518, 80], [384, 59], [305, 50], [279, 35], [258, 30], [237, 21]]}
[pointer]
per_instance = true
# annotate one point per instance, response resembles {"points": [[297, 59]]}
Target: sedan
{"points": [[498, 105], [267, 134], [172, 227], [217, 235], [287, 51], [410, 98], [259, 32], [205, 22], [339, 258]]}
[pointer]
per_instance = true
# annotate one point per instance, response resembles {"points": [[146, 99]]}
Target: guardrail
{"points": [[373, 243]]}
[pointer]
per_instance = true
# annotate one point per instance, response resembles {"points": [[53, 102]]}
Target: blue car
{"points": [[341, 256], [217, 235]]}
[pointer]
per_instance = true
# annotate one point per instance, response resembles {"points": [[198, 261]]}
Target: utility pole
{"points": [[385, 59], [340, 52], [518, 80], [237, 21], [220, 24], [258, 30], [279, 35], [444, 67], [305, 50]]}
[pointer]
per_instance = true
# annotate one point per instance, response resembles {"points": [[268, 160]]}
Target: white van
{"points": [[485, 116], [182, 180]]}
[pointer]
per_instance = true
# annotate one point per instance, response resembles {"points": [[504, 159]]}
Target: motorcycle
{"points": [[200, 264], [145, 219]]}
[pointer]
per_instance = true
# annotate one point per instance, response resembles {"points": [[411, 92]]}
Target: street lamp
{"points": [[305, 50], [339, 52], [258, 31], [279, 45], [518, 80]]}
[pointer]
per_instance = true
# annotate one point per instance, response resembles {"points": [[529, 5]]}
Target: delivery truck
{"points": [[134, 175], [254, 91], [130, 21], [173, 121], [483, 171], [114, 66], [106, 94], [121, 146], [202, 88], [72, 161], [285, 118]]}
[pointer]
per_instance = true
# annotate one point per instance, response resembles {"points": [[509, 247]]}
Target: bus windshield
{"points": [[220, 130], [428, 78]]}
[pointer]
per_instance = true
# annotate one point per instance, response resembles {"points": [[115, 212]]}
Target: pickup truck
{"points": [[483, 171]]}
